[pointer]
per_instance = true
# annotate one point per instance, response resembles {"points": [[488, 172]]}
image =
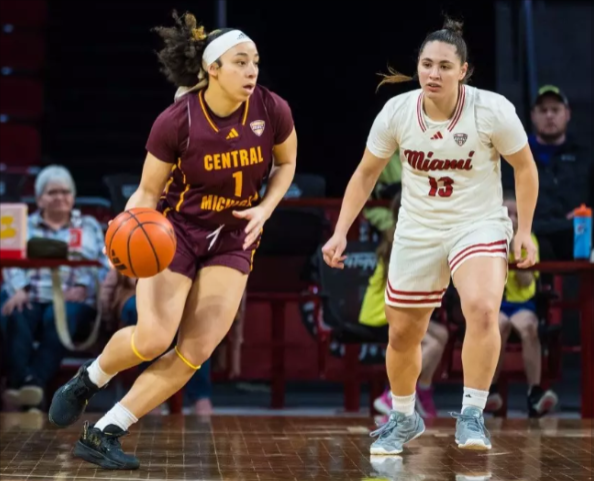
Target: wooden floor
{"points": [[286, 448]]}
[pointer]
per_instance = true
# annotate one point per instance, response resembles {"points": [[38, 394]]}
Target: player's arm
{"points": [[163, 151], [526, 181], [381, 145], [280, 179], [282, 173], [359, 189], [154, 177], [510, 140]]}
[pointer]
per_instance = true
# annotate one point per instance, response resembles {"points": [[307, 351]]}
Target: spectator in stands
{"points": [[565, 173], [518, 312], [387, 187], [27, 313], [118, 301], [373, 314]]}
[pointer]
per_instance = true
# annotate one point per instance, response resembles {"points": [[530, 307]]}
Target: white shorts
{"points": [[424, 259]]}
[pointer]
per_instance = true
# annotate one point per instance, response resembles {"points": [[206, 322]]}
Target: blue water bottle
{"points": [[582, 232]]}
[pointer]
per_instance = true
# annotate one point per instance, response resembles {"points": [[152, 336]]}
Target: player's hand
{"points": [[108, 259], [523, 244], [256, 216], [333, 250]]}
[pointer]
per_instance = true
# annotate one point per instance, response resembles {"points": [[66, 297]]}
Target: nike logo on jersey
{"points": [[437, 136], [233, 134]]}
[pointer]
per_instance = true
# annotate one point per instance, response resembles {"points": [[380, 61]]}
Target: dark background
{"points": [[104, 88]]}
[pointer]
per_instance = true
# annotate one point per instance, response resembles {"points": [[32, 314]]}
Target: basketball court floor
{"points": [[283, 448]]}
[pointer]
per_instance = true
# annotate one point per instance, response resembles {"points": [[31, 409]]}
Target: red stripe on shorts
{"points": [[491, 244], [414, 293], [475, 250], [425, 300], [423, 297]]}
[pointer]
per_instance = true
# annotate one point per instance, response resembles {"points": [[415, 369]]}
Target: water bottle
{"points": [[582, 232]]}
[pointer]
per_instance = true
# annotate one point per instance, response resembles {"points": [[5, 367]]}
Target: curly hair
{"points": [[451, 33], [185, 42]]}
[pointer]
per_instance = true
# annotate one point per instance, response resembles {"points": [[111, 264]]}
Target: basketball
{"points": [[140, 242]]}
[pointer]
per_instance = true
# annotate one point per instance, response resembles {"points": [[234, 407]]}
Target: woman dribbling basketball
{"points": [[208, 156]]}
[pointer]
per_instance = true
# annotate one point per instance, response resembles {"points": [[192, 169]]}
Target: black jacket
{"points": [[565, 183]]}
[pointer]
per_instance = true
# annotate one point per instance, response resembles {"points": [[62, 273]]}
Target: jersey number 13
{"points": [[443, 187]]}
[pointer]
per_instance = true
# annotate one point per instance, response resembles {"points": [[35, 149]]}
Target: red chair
{"points": [[21, 97], [20, 145], [22, 51], [28, 13]]}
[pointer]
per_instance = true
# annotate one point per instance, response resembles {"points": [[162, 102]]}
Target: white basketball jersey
{"points": [[449, 175], [451, 171]]}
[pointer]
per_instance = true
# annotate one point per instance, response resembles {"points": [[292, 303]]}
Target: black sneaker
{"points": [[72, 398], [541, 402], [103, 448]]}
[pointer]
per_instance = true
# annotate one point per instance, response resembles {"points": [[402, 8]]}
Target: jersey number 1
{"points": [[444, 191], [238, 176]]}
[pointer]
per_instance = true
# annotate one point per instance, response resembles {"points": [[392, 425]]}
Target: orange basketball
{"points": [[140, 242]]}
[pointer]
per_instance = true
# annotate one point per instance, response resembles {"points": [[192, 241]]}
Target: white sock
{"points": [[97, 375], [474, 398], [404, 404], [117, 415]]}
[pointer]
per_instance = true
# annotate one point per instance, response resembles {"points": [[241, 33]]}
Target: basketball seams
{"points": [[121, 224], [124, 239], [129, 240], [164, 228], [149, 241], [170, 232]]}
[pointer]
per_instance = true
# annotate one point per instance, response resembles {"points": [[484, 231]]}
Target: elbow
{"points": [[365, 178], [150, 191]]}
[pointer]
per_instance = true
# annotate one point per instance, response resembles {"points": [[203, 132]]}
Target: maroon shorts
{"points": [[199, 246]]}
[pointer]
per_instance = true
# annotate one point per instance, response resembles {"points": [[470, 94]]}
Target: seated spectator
{"points": [[518, 312], [373, 314], [387, 188], [27, 309], [565, 173]]}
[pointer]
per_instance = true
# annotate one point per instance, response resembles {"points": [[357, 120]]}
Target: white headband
{"points": [[221, 44], [213, 51]]}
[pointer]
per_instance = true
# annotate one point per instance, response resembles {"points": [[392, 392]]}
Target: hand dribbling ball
{"points": [[140, 242]]}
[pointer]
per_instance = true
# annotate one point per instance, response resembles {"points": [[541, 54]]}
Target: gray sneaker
{"points": [[470, 430], [398, 431]]}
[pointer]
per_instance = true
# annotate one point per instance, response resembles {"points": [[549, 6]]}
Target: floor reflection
{"points": [[284, 448]]}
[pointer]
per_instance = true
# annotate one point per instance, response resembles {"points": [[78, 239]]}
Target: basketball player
{"points": [[208, 156], [452, 223]]}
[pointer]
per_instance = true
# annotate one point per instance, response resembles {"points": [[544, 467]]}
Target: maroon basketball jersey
{"points": [[219, 164]]}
